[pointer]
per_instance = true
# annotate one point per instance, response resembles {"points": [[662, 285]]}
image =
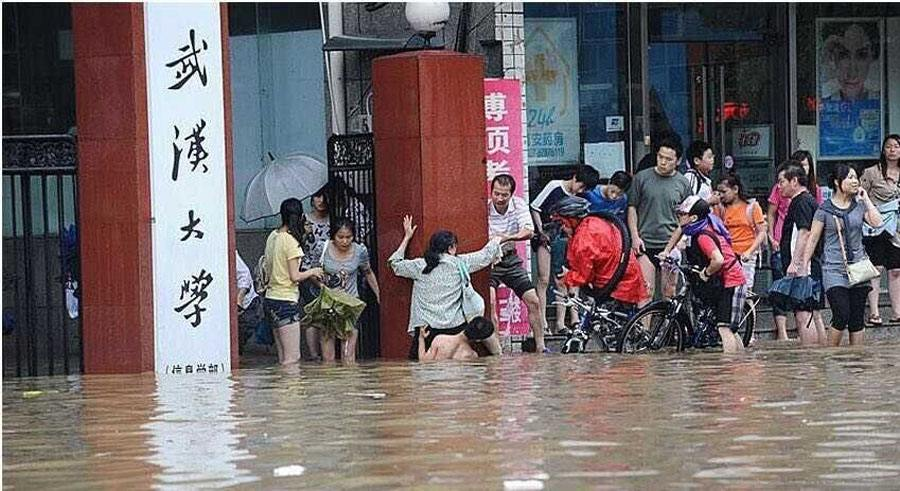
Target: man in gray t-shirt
{"points": [[652, 199]]}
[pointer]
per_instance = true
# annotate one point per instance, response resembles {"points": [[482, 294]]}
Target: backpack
{"points": [[261, 275], [708, 291], [624, 255], [698, 180], [748, 212]]}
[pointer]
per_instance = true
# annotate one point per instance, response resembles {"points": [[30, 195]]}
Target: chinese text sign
{"points": [[503, 127], [188, 188], [551, 68]]}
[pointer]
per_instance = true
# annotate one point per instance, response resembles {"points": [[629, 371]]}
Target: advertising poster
{"points": [[503, 127], [551, 71], [849, 88]]}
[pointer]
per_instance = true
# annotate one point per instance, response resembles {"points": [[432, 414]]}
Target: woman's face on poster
{"points": [[851, 54]]}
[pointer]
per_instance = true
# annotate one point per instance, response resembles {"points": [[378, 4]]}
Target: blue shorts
{"points": [[281, 313], [558, 249]]}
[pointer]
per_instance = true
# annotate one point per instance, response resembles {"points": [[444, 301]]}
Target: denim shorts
{"points": [[558, 249], [280, 313]]}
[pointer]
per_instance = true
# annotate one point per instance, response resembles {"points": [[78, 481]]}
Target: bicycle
{"points": [[683, 321], [600, 322]]}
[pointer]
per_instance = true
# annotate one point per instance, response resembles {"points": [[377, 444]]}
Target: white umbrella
{"points": [[297, 175]]}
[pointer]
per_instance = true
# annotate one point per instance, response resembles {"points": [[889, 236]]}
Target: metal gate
{"points": [[41, 336], [351, 194]]}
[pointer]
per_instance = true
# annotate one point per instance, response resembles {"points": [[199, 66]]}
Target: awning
{"points": [[356, 43]]}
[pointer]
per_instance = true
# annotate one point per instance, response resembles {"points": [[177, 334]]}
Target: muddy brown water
{"points": [[775, 417]]}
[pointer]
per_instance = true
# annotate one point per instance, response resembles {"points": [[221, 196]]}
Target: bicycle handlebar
{"points": [[681, 268], [568, 301]]}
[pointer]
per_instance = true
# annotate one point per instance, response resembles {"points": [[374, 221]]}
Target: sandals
{"points": [[875, 320]]}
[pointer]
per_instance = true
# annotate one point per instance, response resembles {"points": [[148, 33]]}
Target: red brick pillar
{"points": [[114, 186], [429, 162]]}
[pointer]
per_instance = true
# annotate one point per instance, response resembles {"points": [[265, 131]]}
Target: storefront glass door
{"points": [[710, 77]]}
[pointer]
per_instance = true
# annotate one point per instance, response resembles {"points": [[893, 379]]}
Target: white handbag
{"points": [[860, 271]]}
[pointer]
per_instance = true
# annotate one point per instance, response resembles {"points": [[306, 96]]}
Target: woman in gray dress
{"points": [[846, 211]]}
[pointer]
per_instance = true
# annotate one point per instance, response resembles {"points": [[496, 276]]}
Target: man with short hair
{"points": [[509, 219], [652, 199], [612, 197], [702, 161], [792, 183]]}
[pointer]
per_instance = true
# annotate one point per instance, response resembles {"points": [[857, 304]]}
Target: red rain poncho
{"points": [[593, 256]]}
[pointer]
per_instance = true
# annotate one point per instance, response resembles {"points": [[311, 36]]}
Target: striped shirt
{"points": [[516, 219]]}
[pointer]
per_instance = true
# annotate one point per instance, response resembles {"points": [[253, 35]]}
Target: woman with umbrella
{"points": [[840, 220], [343, 261], [283, 275]]}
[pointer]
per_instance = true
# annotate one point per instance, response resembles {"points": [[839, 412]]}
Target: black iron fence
{"points": [[351, 194], [41, 326]]}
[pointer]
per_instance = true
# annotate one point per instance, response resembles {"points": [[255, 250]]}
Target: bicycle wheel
{"points": [[748, 323], [652, 320]]}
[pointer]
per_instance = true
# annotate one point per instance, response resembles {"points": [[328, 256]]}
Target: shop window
{"points": [[848, 80], [600, 95]]}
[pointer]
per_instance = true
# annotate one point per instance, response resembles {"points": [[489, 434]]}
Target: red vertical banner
{"points": [[503, 127]]}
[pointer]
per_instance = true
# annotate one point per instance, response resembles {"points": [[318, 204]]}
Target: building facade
{"points": [[602, 82]]}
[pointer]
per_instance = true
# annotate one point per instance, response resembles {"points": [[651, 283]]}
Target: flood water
{"points": [[772, 418]]}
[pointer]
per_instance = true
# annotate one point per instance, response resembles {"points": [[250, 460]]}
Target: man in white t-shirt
{"points": [[509, 218]]}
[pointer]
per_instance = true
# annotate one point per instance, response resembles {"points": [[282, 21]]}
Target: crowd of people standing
{"points": [[583, 233], [715, 226]]}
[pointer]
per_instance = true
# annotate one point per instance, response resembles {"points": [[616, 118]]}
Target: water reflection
{"points": [[773, 418], [193, 434]]}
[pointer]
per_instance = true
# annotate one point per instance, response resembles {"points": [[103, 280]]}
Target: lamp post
{"points": [[427, 18]]}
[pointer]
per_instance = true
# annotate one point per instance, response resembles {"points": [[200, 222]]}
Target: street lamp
{"points": [[427, 18]]}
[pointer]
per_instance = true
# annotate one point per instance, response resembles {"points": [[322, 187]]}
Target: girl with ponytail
{"points": [[441, 242], [282, 270]]}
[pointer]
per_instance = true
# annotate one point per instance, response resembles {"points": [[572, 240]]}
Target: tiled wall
{"points": [[509, 29]]}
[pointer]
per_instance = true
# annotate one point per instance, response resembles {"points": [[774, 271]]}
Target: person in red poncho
{"points": [[596, 251]]}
